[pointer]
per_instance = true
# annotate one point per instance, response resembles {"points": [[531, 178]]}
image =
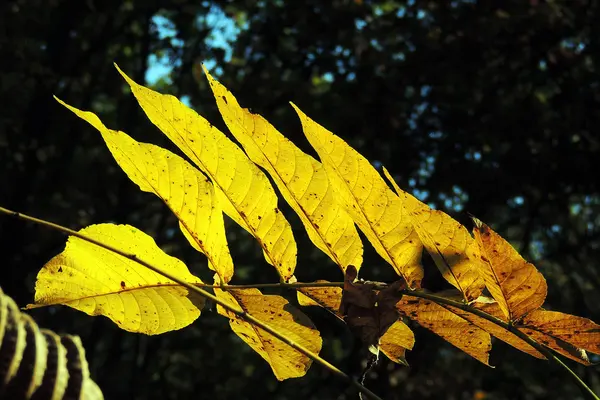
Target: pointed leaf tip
{"points": [[243, 190], [365, 196], [514, 283], [446, 240], [301, 179]]}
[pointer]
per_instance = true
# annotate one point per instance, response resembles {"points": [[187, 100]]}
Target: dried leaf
{"points": [[367, 312]]}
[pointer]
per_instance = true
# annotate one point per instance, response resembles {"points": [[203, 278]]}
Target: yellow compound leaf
{"points": [[97, 281], [187, 192], [567, 334], [377, 211], [515, 284], [396, 340], [449, 326], [301, 179], [275, 311], [447, 241], [244, 192]]}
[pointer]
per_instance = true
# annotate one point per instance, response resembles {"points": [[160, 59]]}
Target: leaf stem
{"points": [[240, 313], [282, 285]]}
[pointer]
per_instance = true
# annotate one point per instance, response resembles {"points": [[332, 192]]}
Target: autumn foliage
{"points": [[494, 291]]}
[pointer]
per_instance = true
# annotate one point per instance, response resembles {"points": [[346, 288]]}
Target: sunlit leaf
{"points": [[396, 340], [447, 241], [244, 192], [449, 326], [182, 187], [300, 178], [515, 284], [491, 307], [329, 298], [97, 281], [377, 211], [276, 312], [567, 334]]}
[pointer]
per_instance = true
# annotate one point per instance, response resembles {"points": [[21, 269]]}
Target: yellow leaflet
{"points": [[183, 188], [396, 340], [276, 312], [377, 211], [97, 281], [329, 298], [300, 178], [515, 284], [449, 326], [566, 334], [489, 306], [244, 192], [447, 242]]}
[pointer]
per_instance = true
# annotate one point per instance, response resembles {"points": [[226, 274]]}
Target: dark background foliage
{"points": [[476, 106]]}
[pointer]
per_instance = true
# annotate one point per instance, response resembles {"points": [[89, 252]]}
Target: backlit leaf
{"points": [[515, 284], [492, 328], [449, 326], [182, 187], [301, 179], [97, 281], [276, 312], [377, 211], [244, 192], [329, 298], [396, 340], [560, 331], [447, 241]]}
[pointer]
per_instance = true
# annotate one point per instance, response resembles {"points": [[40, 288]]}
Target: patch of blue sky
{"points": [[224, 31], [516, 201]]}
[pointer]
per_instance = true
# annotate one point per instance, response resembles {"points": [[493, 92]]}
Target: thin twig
{"points": [[377, 285], [240, 313], [281, 285]]}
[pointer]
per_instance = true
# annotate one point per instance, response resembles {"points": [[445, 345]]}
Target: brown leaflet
{"points": [[369, 314], [394, 343]]}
